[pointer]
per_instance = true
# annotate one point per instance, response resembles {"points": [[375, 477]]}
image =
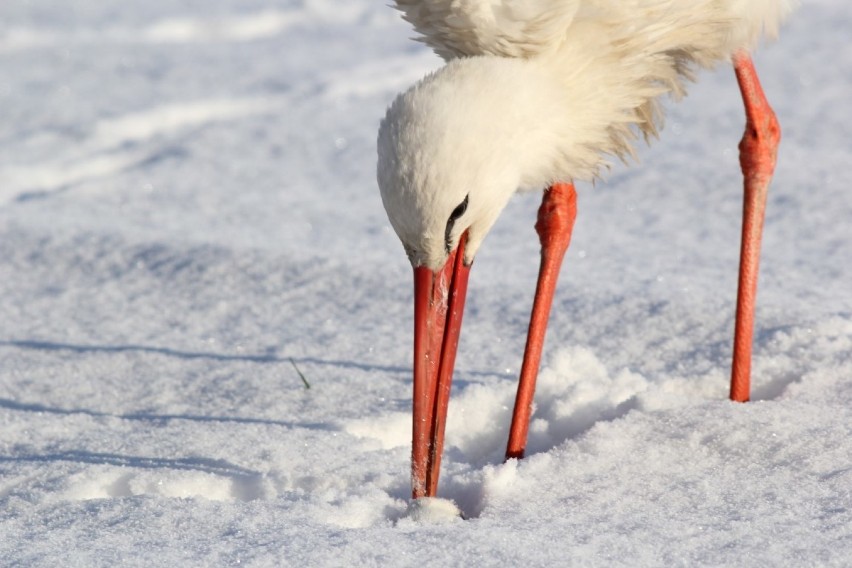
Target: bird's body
{"points": [[527, 28], [532, 106], [535, 93]]}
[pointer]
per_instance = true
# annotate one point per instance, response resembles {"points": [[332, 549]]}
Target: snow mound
{"points": [[431, 511]]}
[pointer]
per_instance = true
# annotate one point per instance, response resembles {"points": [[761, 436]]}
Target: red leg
{"points": [[555, 223], [757, 159]]}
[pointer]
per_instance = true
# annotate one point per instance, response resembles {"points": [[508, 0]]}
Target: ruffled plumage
{"points": [[540, 91], [653, 46], [525, 28]]}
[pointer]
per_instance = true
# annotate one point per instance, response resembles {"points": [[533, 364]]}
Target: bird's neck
{"points": [[578, 106], [541, 120]]}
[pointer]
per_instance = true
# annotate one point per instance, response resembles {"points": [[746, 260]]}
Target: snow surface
{"points": [[188, 203]]}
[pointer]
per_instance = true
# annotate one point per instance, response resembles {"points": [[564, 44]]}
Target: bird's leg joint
{"points": [[556, 217], [759, 145]]}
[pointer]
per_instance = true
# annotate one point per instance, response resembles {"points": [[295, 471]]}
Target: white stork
{"points": [[536, 94]]}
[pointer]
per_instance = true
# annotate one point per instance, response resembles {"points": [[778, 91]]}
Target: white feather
{"points": [[548, 107], [511, 28], [524, 28]]}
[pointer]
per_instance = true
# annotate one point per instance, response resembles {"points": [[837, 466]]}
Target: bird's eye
{"points": [[459, 211], [454, 216]]}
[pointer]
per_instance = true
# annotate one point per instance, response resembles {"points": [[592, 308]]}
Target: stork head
{"points": [[449, 159]]}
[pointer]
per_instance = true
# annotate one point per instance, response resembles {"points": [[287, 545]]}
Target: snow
{"points": [[188, 209]]}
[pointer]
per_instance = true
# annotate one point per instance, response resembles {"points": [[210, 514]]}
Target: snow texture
{"points": [[189, 212]]}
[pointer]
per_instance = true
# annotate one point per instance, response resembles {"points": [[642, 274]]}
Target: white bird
{"points": [[537, 94]]}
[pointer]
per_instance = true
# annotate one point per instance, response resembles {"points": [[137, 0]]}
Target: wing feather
{"points": [[508, 28], [526, 28]]}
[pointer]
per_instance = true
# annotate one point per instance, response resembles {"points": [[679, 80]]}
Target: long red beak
{"points": [[438, 309]]}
